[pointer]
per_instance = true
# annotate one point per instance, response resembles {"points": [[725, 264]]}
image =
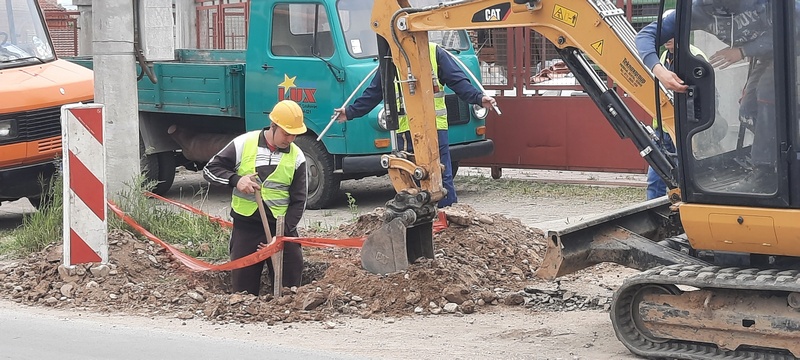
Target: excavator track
{"points": [[733, 313]]}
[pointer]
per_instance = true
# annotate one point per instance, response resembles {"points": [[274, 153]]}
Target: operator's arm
{"points": [[298, 192], [451, 75], [221, 169], [646, 43], [369, 99]]}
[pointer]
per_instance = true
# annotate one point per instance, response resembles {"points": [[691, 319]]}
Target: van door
{"points": [[300, 62]]}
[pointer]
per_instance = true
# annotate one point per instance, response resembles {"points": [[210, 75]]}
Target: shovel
{"points": [[277, 258]]}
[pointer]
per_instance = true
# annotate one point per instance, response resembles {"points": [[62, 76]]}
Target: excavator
{"points": [[719, 261]]}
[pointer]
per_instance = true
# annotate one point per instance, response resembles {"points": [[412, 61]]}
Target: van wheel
{"points": [[323, 184], [158, 168]]}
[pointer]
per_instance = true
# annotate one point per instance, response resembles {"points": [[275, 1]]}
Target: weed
{"points": [[41, 228], [318, 226], [351, 204], [193, 234]]}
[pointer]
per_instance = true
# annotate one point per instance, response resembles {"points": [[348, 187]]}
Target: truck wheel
{"points": [[158, 168], [323, 184]]}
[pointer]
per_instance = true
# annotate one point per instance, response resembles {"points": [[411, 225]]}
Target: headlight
{"points": [[8, 129], [479, 112], [382, 120]]}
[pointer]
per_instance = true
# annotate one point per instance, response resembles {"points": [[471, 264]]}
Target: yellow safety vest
{"points": [[275, 189], [438, 97]]}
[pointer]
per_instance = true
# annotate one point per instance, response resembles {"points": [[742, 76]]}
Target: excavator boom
{"points": [[596, 25]]}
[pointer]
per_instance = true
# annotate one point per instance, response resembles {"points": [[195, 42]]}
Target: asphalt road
{"points": [[29, 334]]}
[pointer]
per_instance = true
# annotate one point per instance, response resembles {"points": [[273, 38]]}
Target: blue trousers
{"points": [[656, 187], [404, 143]]}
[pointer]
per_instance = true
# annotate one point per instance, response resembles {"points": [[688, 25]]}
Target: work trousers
{"points": [[765, 148], [245, 237], [404, 143], [656, 187]]}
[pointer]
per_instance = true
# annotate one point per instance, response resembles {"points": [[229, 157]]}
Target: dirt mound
{"points": [[486, 260]]}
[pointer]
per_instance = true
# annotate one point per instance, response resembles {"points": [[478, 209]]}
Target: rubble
{"points": [[488, 261]]}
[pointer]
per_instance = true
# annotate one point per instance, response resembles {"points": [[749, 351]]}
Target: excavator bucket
{"points": [[385, 249], [628, 237], [393, 247]]}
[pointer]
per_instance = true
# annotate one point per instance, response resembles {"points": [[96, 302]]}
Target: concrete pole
{"points": [[115, 87], [185, 24], [85, 24]]}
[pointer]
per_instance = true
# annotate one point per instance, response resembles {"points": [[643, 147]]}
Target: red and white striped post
{"points": [[84, 173]]}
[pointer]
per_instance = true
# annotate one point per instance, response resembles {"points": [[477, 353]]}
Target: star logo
{"points": [[288, 82]]}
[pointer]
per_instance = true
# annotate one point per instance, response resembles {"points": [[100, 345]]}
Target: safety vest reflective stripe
{"points": [[275, 185], [275, 189], [277, 202], [438, 97]]}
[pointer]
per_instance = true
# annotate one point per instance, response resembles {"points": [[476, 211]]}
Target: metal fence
{"points": [[524, 59], [222, 24]]}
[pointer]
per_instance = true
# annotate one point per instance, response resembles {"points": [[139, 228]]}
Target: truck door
{"points": [[299, 62]]}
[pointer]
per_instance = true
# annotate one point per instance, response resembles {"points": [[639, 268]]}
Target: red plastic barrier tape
{"points": [[440, 223], [183, 206], [254, 258], [195, 264]]}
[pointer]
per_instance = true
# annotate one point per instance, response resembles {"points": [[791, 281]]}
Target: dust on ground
{"points": [[481, 261]]}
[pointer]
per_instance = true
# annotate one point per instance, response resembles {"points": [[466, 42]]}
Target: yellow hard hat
{"points": [[289, 116]]}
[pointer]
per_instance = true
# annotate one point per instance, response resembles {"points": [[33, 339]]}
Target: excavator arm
{"points": [[596, 29]]}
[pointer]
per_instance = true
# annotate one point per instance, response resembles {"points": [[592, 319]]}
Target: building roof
{"points": [[51, 5]]}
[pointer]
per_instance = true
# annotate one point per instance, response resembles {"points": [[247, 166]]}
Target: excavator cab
{"points": [[738, 127]]}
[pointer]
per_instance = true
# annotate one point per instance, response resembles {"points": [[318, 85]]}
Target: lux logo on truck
{"points": [[288, 90]]}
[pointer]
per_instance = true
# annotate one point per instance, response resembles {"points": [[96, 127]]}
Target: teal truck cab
{"points": [[315, 52]]}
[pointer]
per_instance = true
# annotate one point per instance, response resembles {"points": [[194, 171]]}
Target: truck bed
{"points": [[198, 82]]}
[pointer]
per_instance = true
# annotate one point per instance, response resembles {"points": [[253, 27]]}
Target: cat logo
{"points": [[491, 14]]}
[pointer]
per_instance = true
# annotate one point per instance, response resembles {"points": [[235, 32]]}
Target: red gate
{"points": [[222, 24], [547, 121]]}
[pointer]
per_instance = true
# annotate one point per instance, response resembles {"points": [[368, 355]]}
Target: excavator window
{"points": [[732, 122]]}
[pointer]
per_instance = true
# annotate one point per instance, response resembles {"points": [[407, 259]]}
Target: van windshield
{"points": [[23, 38], [355, 15]]}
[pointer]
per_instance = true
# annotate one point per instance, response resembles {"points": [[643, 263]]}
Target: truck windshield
{"points": [[355, 15], [23, 38]]}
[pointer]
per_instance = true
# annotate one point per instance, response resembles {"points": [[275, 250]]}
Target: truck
{"points": [[34, 84], [719, 254], [316, 53]]}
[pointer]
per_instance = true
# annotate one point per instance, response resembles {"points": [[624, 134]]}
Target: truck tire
{"points": [[323, 184], [158, 168]]}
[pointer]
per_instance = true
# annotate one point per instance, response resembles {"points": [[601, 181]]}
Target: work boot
{"points": [[762, 180]]}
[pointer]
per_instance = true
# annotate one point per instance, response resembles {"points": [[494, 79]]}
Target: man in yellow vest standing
{"points": [[445, 72], [264, 164]]}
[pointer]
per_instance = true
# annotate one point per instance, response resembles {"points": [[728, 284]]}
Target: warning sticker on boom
{"points": [[630, 74], [598, 46], [565, 15]]}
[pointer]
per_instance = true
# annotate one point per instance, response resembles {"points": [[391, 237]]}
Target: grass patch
{"points": [[192, 234], [38, 229], [542, 189]]}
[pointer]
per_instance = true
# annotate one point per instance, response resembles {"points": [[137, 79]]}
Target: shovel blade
{"points": [[385, 251]]}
